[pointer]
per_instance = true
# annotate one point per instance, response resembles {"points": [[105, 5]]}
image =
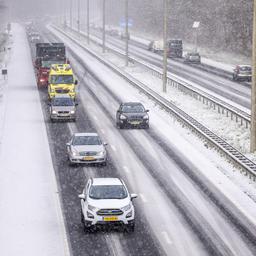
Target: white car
{"points": [[86, 148], [107, 201]]}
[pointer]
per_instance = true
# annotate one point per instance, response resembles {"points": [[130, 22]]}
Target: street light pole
{"points": [[126, 35], [78, 17], [88, 21], [165, 6], [103, 26], [71, 18], [253, 91]]}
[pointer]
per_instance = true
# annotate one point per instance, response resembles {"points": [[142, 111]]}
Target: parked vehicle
{"points": [[132, 114], [242, 73], [192, 57], [61, 81], [174, 48], [62, 107], [86, 148], [106, 201]]}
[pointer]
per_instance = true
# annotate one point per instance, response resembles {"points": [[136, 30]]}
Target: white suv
{"points": [[107, 201]]}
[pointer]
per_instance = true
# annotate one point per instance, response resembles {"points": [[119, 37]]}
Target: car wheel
{"points": [[82, 217], [104, 163]]}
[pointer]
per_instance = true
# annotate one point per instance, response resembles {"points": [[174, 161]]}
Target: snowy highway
{"points": [[136, 157], [185, 205]]}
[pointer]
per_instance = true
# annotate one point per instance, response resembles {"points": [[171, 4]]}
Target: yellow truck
{"points": [[61, 81]]}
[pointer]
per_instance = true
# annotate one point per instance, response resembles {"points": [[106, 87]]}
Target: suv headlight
{"points": [[145, 117], [101, 153], [122, 117], [54, 112], [75, 153], [126, 208], [72, 112], [92, 208]]}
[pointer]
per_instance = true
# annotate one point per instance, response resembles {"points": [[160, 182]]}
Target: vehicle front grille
{"points": [[62, 90], [63, 112], [109, 212], [88, 153], [136, 118]]}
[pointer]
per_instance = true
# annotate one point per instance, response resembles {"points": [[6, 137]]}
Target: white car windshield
{"points": [[108, 192], [86, 140]]}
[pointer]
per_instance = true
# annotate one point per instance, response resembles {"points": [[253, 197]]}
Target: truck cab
{"points": [[61, 81]]}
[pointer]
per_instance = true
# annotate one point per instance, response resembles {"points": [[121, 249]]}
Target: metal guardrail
{"points": [[213, 102], [229, 151]]}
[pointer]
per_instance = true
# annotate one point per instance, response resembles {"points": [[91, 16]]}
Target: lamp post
{"points": [[88, 21], [78, 16], [126, 35], [165, 45], [253, 91], [103, 26], [71, 18]]}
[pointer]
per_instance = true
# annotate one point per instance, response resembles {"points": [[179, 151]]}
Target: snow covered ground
{"points": [[31, 221]]}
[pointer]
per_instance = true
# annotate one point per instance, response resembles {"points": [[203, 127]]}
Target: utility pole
{"points": [[253, 91], [165, 6], [78, 16], [71, 23], [88, 21], [126, 34], [103, 26]]}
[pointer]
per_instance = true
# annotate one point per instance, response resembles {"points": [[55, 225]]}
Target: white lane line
{"points": [[143, 198], [95, 118], [166, 237], [126, 169], [102, 131], [113, 147]]}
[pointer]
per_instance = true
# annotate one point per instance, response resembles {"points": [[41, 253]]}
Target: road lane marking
{"points": [[166, 237], [95, 118], [102, 131], [143, 198]]}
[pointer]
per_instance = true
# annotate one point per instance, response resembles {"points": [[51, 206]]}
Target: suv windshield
{"points": [[62, 102], [108, 192], [86, 140], [133, 108], [61, 79]]}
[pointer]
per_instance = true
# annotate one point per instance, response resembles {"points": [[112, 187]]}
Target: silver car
{"points": [[86, 148], [62, 107]]}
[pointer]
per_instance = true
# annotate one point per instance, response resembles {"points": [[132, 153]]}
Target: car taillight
{"points": [[41, 80]]}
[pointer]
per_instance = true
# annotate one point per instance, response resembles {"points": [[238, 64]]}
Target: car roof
{"points": [[132, 103], [86, 134], [106, 181], [244, 65]]}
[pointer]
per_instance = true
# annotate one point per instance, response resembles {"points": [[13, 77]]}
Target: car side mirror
{"points": [[49, 104], [76, 104], [76, 82], [133, 196], [147, 110], [68, 144], [118, 111], [105, 143], [82, 196]]}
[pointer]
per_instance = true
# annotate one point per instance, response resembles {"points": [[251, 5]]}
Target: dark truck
{"points": [[46, 55], [174, 48]]}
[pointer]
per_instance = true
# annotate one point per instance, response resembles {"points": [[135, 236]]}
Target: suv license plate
{"points": [[89, 158], [110, 218]]}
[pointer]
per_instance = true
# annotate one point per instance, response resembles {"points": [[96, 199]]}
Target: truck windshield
{"points": [[62, 79]]}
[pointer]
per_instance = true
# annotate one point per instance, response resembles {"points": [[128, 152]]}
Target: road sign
{"points": [[122, 22]]}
